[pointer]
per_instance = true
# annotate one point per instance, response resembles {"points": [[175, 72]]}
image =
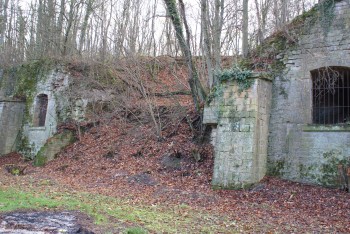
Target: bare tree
{"points": [[88, 11], [245, 29], [218, 23], [262, 9], [206, 44], [197, 90]]}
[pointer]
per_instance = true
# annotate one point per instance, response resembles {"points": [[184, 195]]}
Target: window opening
{"points": [[40, 110], [331, 95]]}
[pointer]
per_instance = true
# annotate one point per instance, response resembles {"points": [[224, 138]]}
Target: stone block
{"points": [[52, 147], [237, 128]]}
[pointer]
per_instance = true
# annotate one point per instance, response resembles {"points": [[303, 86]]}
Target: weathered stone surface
{"points": [[297, 151], [245, 132], [53, 146], [53, 85], [11, 116], [40, 223], [242, 127]]}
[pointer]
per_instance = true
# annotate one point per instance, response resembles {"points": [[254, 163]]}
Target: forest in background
{"points": [[105, 30]]}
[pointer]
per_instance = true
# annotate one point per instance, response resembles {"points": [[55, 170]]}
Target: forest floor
{"points": [[122, 177]]}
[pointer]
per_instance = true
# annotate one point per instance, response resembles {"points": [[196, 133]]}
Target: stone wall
{"points": [[53, 85], [240, 130], [66, 101], [11, 115], [297, 149]]}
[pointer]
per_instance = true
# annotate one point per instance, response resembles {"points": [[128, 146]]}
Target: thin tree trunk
{"points": [[84, 26], [197, 90], [60, 25], [218, 21], [69, 26], [245, 29], [206, 42], [258, 16]]}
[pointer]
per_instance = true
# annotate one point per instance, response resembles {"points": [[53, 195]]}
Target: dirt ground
{"points": [[128, 162]]}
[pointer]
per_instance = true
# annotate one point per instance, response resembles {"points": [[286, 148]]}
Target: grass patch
{"points": [[136, 230], [103, 209]]}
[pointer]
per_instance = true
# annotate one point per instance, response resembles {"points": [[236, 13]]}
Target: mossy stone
{"points": [[53, 146]]}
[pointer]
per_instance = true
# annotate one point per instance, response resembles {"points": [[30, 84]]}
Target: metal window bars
{"points": [[331, 95]]}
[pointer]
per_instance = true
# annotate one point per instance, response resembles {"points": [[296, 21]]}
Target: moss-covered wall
{"points": [[53, 146], [241, 119], [24, 83], [298, 150]]}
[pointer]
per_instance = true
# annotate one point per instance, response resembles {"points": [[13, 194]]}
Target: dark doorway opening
{"points": [[40, 110]]}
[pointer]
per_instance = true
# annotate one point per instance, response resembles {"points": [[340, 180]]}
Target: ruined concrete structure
{"points": [[305, 134], [10, 124], [32, 103], [35, 100]]}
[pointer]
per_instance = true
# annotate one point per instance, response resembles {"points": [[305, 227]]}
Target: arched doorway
{"points": [[40, 110]]}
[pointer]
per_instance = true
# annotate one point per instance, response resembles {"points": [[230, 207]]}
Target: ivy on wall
{"points": [[326, 11], [236, 74]]}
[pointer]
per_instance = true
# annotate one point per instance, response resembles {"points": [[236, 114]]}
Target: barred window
{"points": [[331, 95], [40, 110]]}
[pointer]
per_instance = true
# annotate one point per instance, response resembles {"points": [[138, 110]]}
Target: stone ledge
{"points": [[37, 128], [326, 128]]}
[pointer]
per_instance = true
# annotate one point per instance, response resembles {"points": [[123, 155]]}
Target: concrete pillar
{"points": [[241, 120]]}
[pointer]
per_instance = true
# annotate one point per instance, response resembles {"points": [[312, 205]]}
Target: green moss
{"points": [[307, 171], [326, 14], [41, 159], [275, 168], [216, 91], [329, 169], [264, 56], [287, 38], [20, 82], [52, 147], [308, 16], [23, 146]]}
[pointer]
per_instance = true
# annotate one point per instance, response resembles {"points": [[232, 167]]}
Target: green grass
{"points": [[154, 218], [136, 230]]}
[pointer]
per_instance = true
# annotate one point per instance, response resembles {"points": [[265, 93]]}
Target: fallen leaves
{"points": [[124, 160]]}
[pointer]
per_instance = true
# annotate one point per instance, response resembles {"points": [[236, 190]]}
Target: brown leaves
{"points": [[274, 205]]}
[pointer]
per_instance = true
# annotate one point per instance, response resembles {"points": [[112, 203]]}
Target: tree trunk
{"points": [[218, 21], [206, 42], [60, 25], [197, 90], [245, 29], [84, 26]]}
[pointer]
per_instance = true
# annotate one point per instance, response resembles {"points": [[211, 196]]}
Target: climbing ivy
{"points": [[326, 9], [235, 74], [216, 91]]}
